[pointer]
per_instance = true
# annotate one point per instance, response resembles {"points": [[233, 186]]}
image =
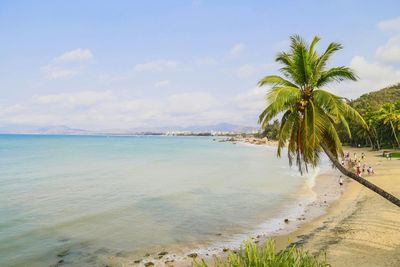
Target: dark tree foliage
{"points": [[380, 135], [271, 131]]}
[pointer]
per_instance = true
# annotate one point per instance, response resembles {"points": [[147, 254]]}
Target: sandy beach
{"points": [[358, 227], [361, 228], [353, 226]]}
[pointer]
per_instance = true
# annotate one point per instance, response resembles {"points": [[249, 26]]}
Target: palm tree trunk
{"points": [[394, 133], [371, 143], [374, 136], [377, 139], [378, 143], [359, 179]]}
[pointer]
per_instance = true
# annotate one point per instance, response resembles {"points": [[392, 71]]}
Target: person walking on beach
{"points": [[364, 167], [362, 155], [358, 171], [341, 180]]}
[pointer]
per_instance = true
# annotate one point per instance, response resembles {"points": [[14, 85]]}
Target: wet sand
{"points": [[362, 228]]}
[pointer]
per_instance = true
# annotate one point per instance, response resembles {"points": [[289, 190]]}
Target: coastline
{"points": [[353, 226], [361, 228], [305, 205]]}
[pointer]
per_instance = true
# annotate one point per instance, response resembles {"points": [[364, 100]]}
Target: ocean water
{"points": [[85, 198]]}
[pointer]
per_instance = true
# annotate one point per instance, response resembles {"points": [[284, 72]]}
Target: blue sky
{"points": [[128, 64]]}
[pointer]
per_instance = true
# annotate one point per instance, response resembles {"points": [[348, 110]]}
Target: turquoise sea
{"points": [[76, 200]]}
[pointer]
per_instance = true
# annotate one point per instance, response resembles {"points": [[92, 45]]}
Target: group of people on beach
{"points": [[356, 163]]}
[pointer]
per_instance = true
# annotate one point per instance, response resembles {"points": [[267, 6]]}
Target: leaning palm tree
{"points": [[389, 115], [310, 114]]}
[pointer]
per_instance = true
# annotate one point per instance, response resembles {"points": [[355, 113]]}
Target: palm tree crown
{"points": [[311, 114]]}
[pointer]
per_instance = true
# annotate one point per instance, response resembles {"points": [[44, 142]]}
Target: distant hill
{"points": [[381, 135], [58, 129], [62, 129], [374, 100]]}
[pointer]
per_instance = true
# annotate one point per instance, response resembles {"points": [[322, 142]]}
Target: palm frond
{"points": [[300, 65], [313, 44], [322, 60], [285, 130], [275, 80], [280, 99], [337, 74]]}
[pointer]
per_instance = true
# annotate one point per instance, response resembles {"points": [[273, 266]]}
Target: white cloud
{"points": [[390, 24], [53, 72], [372, 76], [253, 100], [161, 83], [190, 102], [104, 110], [374, 71], [375, 75], [389, 52], [157, 65], [83, 98], [28, 119], [67, 65], [107, 110], [12, 109], [236, 50], [78, 54]]}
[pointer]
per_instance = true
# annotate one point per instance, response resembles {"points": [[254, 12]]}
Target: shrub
{"points": [[251, 255]]}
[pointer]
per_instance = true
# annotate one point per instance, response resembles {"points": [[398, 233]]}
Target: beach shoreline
{"points": [[326, 225], [312, 200], [361, 228], [309, 209]]}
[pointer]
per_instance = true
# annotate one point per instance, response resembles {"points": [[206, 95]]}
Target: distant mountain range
{"points": [[58, 129], [62, 129]]}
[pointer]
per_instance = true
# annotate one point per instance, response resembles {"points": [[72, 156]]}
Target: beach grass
{"points": [[251, 255], [395, 154]]}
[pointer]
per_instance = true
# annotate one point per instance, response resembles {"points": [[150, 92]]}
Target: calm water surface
{"points": [[84, 198]]}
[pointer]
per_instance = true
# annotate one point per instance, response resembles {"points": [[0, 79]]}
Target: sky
{"points": [[131, 64]]}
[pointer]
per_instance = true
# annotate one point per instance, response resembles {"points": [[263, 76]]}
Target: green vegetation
{"points": [[395, 155], [372, 107], [382, 117], [250, 255], [374, 100], [310, 113], [271, 131], [312, 116]]}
